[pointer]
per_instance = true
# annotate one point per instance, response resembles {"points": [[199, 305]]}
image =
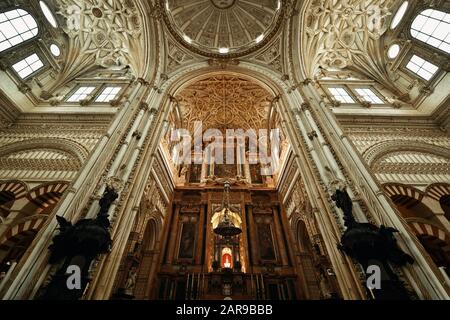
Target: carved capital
{"points": [[114, 103], [46, 95], [114, 183], [426, 90], [275, 100], [144, 106], [312, 135], [24, 88], [3, 65], [396, 105], [335, 103], [164, 77], [84, 102], [305, 106], [307, 81], [366, 104], [55, 102], [142, 81]]}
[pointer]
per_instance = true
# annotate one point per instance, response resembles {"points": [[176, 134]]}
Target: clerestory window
{"points": [[16, 26], [432, 27]]}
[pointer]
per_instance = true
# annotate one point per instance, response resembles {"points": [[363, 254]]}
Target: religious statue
{"points": [[183, 174], [183, 171], [324, 287], [131, 281], [227, 263]]}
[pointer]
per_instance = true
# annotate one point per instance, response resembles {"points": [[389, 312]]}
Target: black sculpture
{"points": [[372, 245], [344, 203], [109, 196], [78, 245]]}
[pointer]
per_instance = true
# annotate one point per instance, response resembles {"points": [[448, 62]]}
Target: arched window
{"points": [[16, 26], [433, 27]]}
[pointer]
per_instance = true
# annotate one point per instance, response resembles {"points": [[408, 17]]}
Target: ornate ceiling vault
{"points": [[223, 28], [224, 102], [339, 30], [102, 33], [341, 34]]}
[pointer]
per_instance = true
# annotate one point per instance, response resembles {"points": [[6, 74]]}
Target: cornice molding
{"points": [[52, 119], [348, 120], [9, 112], [441, 115]]}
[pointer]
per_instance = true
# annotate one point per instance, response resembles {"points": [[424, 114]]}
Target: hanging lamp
{"points": [[226, 227]]}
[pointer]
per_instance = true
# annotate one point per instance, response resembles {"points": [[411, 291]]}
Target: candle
{"points": [[203, 284], [192, 286], [187, 287], [257, 287], [253, 285], [263, 293]]}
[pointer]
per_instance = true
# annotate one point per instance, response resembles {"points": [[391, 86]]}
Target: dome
{"points": [[223, 28]]}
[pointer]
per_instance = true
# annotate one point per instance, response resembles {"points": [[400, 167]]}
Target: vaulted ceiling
{"points": [[223, 26], [224, 101], [294, 40]]}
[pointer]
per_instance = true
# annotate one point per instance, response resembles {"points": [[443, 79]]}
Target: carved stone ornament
{"points": [[115, 183], [224, 102]]}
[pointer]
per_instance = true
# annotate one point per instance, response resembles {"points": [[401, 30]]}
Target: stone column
{"points": [[201, 235], [172, 237], [279, 237], [138, 168], [27, 274], [252, 240], [313, 168], [359, 178]]}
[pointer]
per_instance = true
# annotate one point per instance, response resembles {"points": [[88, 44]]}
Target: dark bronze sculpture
{"points": [[78, 245], [344, 203], [372, 245]]}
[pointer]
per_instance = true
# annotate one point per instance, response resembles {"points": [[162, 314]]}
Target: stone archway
{"points": [[10, 192], [379, 150], [435, 240], [43, 198], [147, 259], [441, 192], [17, 239]]}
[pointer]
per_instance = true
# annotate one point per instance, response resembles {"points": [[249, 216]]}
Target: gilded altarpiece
{"points": [[197, 263]]}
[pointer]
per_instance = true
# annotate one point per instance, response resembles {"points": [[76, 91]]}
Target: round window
{"points": [[48, 14], [54, 49], [399, 15], [393, 51]]}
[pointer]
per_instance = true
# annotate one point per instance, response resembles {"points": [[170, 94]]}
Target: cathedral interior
{"points": [[225, 149]]}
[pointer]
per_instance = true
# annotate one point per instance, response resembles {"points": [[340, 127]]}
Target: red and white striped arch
{"points": [[23, 228], [438, 190], [402, 193], [18, 188], [394, 189], [48, 194], [421, 228]]}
